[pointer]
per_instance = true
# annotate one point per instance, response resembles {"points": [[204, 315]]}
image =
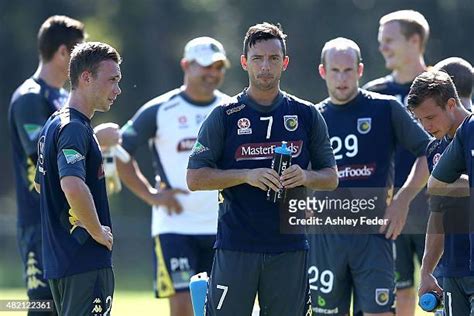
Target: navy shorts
{"points": [[88, 293], [344, 265], [407, 246], [177, 257], [280, 280], [29, 243]]}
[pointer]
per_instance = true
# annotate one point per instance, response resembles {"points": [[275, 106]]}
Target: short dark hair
{"points": [[264, 32], [433, 84], [87, 57], [58, 30], [411, 22], [460, 72], [341, 43]]}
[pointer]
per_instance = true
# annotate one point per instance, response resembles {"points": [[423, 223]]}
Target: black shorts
{"points": [[407, 246], [280, 280], [29, 243], [344, 265], [458, 296], [88, 293]]}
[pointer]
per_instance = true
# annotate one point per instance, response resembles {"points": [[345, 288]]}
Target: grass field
{"points": [[126, 303]]}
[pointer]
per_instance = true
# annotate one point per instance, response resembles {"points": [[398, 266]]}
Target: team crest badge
{"points": [[290, 122], [244, 126], [364, 125], [382, 296], [436, 158]]}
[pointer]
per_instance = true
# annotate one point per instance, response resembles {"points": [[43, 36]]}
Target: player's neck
{"points": [[459, 115], [51, 75], [409, 71], [263, 97], [80, 102]]}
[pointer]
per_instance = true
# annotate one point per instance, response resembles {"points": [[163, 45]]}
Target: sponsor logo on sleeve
{"points": [[290, 122], [198, 149], [364, 125], [72, 156], [32, 130]]}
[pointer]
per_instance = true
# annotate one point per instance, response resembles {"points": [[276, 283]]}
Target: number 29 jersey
{"points": [[364, 133]]}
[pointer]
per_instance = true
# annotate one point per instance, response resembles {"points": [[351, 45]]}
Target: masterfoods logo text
{"points": [[260, 151], [353, 172]]}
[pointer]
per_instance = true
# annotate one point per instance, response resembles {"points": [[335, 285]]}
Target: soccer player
{"points": [[233, 154], [402, 40], [75, 218], [183, 225], [364, 128], [31, 105], [435, 103]]}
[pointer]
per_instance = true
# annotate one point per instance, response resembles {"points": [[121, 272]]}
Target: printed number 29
{"points": [[351, 145], [326, 280]]}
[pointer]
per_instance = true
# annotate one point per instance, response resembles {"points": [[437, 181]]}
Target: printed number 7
{"points": [[225, 288], [270, 123]]}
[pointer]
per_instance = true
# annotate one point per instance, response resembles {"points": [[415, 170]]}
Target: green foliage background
{"points": [[150, 35]]}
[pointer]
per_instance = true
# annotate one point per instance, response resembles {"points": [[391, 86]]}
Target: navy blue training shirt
{"points": [[243, 135], [68, 147], [31, 105], [455, 259]]}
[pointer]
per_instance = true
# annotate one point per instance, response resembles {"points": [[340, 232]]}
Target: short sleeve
{"points": [[321, 152], [407, 131], [73, 146], [29, 113], [451, 164], [210, 142]]}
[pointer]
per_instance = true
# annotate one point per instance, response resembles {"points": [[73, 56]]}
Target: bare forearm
{"points": [[416, 180], [434, 243], [82, 204], [133, 178], [325, 179], [214, 179], [434, 247]]}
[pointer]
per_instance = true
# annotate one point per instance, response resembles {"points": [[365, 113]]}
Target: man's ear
{"points": [[451, 104], [86, 77], [184, 64], [360, 69], [243, 62], [322, 71], [286, 61]]}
